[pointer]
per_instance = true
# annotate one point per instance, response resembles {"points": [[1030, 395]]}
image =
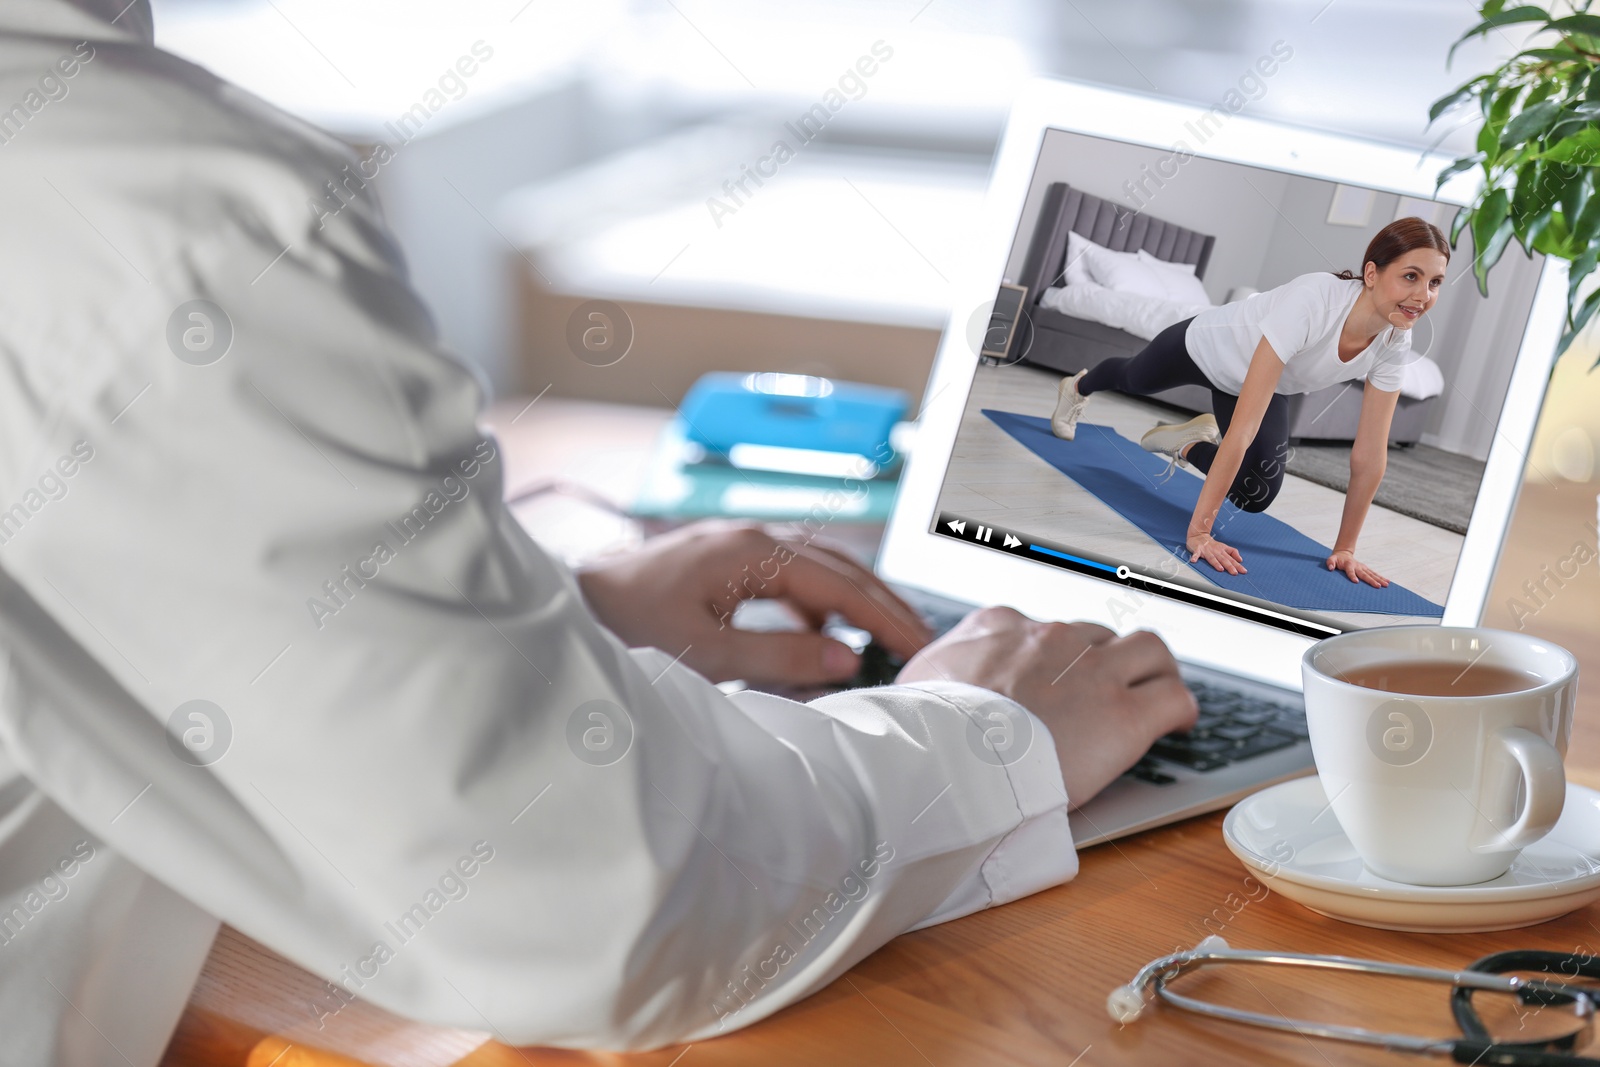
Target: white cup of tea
{"points": [[1440, 747]]}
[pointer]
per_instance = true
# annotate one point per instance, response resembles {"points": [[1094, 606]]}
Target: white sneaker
{"points": [[1169, 439], [1069, 407]]}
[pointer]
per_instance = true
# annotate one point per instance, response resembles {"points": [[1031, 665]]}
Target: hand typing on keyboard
{"points": [[1231, 727], [679, 591], [1105, 698]]}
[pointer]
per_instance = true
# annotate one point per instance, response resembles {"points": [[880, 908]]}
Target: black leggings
{"points": [[1165, 363]]}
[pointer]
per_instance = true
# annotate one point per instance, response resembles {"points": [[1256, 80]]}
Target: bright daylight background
{"points": [[577, 161]]}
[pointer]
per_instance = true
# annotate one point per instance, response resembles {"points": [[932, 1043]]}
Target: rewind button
{"points": [[970, 530]]}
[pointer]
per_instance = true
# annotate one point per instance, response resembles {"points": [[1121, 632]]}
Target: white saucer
{"points": [[1288, 836]]}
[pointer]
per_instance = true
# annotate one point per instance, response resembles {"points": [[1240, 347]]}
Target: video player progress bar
{"points": [[968, 530], [1079, 559], [1144, 579]]}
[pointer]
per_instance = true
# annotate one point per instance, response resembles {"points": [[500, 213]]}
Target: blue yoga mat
{"points": [[1286, 566]]}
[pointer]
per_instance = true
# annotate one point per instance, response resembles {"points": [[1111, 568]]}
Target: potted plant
{"points": [[1538, 146]]}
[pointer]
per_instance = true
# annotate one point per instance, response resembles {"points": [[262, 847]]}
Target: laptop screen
{"points": [[1158, 271]]}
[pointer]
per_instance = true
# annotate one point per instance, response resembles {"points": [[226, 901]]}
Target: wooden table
{"points": [[1026, 983]]}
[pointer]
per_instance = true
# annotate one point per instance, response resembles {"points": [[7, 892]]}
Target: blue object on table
{"points": [[801, 411], [677, 486]]}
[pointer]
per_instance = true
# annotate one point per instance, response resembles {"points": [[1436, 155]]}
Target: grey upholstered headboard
{"points": [[1109, 224]]}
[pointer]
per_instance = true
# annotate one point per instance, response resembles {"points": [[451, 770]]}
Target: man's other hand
{"points": [[678, 592]]}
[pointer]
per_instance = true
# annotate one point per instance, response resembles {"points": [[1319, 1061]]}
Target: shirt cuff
{"points": [[1039, 853]]}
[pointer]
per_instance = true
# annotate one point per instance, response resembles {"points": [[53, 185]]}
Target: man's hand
{"points": [[1105, 698], [678, 592]]}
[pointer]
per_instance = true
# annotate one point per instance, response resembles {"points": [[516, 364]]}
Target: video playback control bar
{"points": [[963, 529]]}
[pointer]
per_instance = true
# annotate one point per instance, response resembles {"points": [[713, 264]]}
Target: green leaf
{"points": [[1553, 239], [1464, 163], [1567, 127], [1527, 198], [1581, 319], [1496, 111], [1576, 80], [1491, 229], [1530, 123], [1554, 188], [1587, 25], [1581, 268], [1538, 189], [1572, 191], [1525, 13], [1500, 107], [1458, 224], [1574, 118], [1488, 142], [1584, 109], [1492, 210], [1456, 96], [1534, 227], [1581, 148], [1512, 160], [1561, 53], [1585, 224]]}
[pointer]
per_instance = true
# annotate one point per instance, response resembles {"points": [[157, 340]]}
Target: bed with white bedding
{"points": [[1103, 279]]}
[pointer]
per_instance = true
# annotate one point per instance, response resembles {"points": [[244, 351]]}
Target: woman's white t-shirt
{"points": [[1301, 320]]}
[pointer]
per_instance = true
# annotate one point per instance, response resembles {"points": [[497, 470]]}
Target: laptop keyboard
{"points": [[1232, 726]]}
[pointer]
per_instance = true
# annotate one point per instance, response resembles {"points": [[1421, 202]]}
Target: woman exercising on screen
{"points": [[1305, 335]]}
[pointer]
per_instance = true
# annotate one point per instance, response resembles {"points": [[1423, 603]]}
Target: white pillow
{"points": [[1421, 378], [1123, 271], [1077, 270], [1182, 286]]}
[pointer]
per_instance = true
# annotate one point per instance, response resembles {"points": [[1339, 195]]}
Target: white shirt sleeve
{"points": [[96, 957], [1287, 326], [1388, 371], [422, 770]]}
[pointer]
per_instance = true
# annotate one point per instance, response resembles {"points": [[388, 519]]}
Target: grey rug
{"points": [[1425, 483]]}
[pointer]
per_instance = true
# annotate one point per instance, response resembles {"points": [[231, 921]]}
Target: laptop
{"points": [[993, 510]]}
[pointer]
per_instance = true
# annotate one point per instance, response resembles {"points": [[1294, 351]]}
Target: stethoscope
{"points": [[1476, 1045]]}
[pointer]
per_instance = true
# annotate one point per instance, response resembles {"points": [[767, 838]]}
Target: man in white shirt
{"points": [[272, 651]]}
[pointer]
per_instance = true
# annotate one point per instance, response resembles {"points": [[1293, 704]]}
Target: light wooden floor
{"points": [[994, 479]]}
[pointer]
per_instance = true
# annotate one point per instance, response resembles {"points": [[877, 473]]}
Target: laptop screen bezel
{"points": [[911, 554]]}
